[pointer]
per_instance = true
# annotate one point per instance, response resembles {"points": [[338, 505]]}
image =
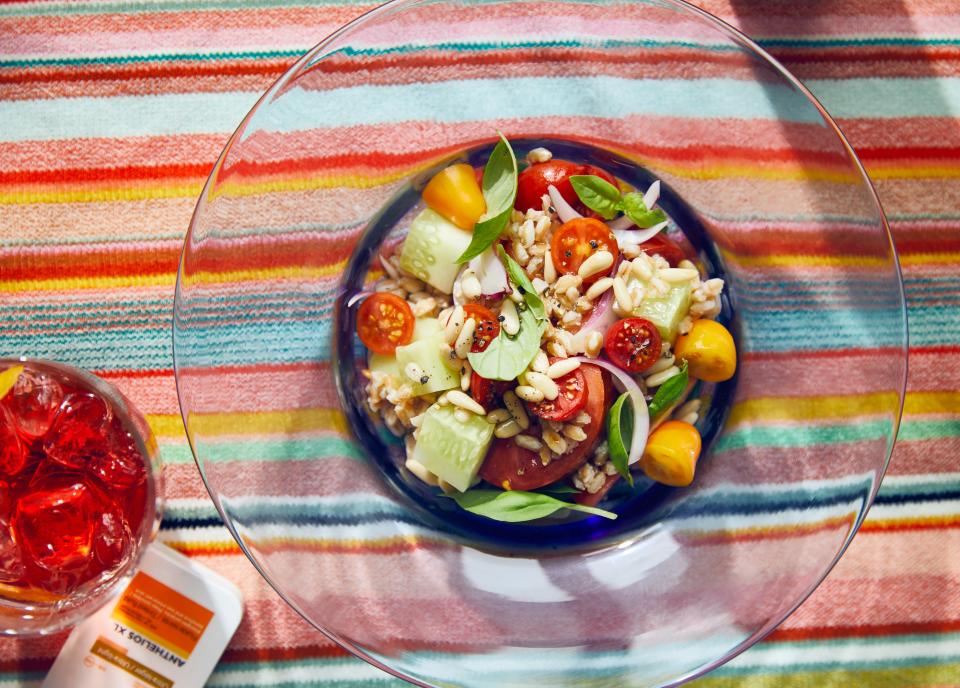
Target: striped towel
{"points": [[112, 113]]}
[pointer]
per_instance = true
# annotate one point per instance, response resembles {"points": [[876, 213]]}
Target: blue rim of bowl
{"points": [[751, 46]]}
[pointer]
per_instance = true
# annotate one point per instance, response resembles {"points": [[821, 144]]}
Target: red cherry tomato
{"points": [[533, 182], [578, 239], [633, 344], [509, 466], [669, 250], [485, 392], [385, 322], [572, 398], [488, 327]]}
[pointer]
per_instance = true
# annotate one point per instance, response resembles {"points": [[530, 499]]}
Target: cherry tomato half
{"points": [[533, 182], [633, 344], [488, 327], [572, 398], [511, 467], [485, 392], [577, 240], [385, 322], [669, 250]]}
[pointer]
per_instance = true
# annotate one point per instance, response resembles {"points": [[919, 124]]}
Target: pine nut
{"points": [[658, 379], [692, 406], [546, 386], [574, 432], [539, 285], [470, 285], [539, 155], [582, 305], [557, 444], [690, 418], [549, 272], [527, 442], [511, 320], [686, 264], [454, 325], [520, 253], [465, 338], [527, 233], [662, 364], [659, 286], [419, 470], [533, 266], [678, 275], [424, 307], [516, 409], [582, 418], [570, 318], [599, 287], [458, 398], [528, 393], [414, 372], [466, 374], [442, 400], [545, 456], [621, 295], [556, 349], [386, 285], [541, 363], [565, 339], [516, 296], [565, 282], [461, 416], [498, 416], [411, 285], [509, 428], [641, 267], [561, 368], [596, 263], [594, 344]]}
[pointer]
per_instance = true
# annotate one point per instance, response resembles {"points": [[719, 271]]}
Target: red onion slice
{"points": [[491, 273], [564, 210], [641, 416], [652, 195], [600, 320], [635, 237]]}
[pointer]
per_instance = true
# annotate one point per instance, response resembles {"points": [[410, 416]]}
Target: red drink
{"points": [[77, 496]]}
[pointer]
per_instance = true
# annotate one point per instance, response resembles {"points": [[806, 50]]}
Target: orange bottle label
{"points": [[161, 614]]}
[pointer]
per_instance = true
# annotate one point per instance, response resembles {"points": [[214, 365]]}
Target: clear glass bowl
{"points": [[785, 212]]}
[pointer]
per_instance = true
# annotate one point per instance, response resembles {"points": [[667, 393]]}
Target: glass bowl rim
{"points": [[749, 46]]}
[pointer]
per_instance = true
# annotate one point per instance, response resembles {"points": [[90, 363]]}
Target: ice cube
{"points": [[113, 540], [34, 402], [122, 465], [55, 523], [79, 431], [13, 455], [11, 560]]}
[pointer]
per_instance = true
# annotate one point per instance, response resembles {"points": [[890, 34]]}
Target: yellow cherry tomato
{"points": [[708, 350], [454, 193], [671, 454]]}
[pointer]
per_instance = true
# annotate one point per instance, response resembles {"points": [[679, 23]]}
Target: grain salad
{"points": [[536, 336]]}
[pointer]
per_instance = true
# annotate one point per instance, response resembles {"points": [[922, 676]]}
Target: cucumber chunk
{"points": [[425, 327], [383, 363], [431, 249], [452, 450], [667, 311], [426, 354]]}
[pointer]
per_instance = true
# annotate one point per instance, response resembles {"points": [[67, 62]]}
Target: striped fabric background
{"points": [[112, 113]]}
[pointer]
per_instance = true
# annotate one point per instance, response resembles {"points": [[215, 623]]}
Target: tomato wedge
{"points": [[488, 326], [384, 322], [633, 344], [512, 467], [485, 391], [577, 240], [572, 398], [669, 250]]}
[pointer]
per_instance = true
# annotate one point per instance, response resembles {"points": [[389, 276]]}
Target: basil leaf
{"points": [[634, 208], [619, 435], [669, 391], [499, 192], [507, 356], [485, 233], [516, 506], [558, 489], [520, 280], [597, 194]]}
